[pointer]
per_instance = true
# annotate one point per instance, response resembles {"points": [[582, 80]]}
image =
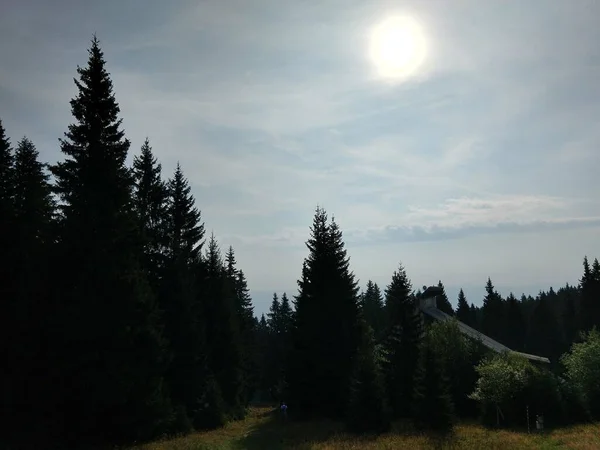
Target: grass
{"points": [[262, 431]]}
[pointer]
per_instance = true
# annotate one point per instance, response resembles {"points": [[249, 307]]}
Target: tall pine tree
{"points": [[27, 306], [373, 309], [222, 330], [150, 202], [110, 378], [327, 329], [6, 196], [588, 312], [493, 313], [443, 304], [181, 232], [543, 337], [463, 312], [516, 324], [245, 320], [401, 345], [7, 296]]}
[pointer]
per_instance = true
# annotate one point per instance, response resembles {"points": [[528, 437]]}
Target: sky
{"points": [[482, 162]]}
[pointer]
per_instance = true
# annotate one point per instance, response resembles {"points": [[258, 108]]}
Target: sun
{"points": [[397, 47]]}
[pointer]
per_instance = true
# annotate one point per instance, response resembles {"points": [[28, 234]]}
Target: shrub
{"points": [[582, 365], [508, 384]]}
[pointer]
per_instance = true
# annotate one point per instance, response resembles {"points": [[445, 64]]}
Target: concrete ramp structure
{"points": [[428, 305]]}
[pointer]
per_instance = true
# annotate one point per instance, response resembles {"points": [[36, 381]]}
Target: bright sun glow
{"points": [[397, 47]]}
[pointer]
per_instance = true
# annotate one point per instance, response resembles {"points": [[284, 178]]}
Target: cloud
{"points": [[462, 217], [436, 233], [454, 219]]}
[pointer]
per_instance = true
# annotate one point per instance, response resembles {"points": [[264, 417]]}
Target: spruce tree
{"points": [[327, 328], [401, 345], [7, 265], [280, 324], [33, 203], [273, 357], [373, 309], [475, 317], [569, 321], [7, 296], [516, 324], [273, 314], [463, 312], [33, 236], [261, 357], [243, 302], [443, 304], [543, 337], [586, 285], [113, 371], [180, 230], [368, 410], [26, 307], [592, 297], [185, 230], [150, 201], [493, 313], [6, 187], [432, 405], [238, 287], [222, 330]]}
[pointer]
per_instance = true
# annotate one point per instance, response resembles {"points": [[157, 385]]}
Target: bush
{"points": [[210, 412], [508, 384], [574, 411], [582, 365], [458, 356]]}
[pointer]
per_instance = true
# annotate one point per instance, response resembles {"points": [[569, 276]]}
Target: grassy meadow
{"points": [[262, 430]]}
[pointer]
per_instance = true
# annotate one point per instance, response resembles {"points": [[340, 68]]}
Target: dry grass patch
{"points": [[261, 431]]}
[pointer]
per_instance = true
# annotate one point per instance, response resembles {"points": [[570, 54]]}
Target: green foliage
{"points": [[509, 383], [458, 356], [583, 370], [368, 411]]}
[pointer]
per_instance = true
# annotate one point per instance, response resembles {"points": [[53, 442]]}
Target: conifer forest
{"points": [[122, 320]]}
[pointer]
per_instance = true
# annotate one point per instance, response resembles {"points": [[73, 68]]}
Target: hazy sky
{"points": [[483, 163]]}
